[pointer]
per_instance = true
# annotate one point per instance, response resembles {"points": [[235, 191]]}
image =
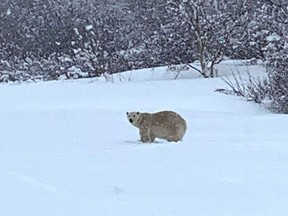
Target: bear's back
{"points": [[167, 117]]}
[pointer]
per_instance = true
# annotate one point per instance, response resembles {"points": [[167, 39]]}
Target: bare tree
{"points": [[214, 23]]}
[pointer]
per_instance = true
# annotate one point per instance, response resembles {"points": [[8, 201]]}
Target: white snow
{"points": [[76, 31], [89, 27], [8, 12], [273, 37], [67, 150]]}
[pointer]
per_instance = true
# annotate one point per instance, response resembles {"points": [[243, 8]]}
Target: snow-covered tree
{"points": [[52, 38], [277, 56], [268, 35], [214, 25]]}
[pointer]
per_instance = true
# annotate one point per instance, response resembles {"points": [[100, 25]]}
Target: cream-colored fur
{"points": [[166, 125]]}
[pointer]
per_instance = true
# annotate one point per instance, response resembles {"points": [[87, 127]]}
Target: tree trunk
{"points": [[203, 62]]}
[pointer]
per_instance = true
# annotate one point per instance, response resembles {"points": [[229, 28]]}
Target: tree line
{"points": [[47, 39], [54, 39]]}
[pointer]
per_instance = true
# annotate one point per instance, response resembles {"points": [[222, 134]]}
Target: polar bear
{"points": [[167, 125]]}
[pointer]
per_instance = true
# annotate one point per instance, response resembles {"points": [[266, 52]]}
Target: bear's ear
{"points": [[138, 113], [127, 113]]}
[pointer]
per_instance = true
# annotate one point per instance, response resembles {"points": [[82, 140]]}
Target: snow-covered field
{"points": [[67, 149]]}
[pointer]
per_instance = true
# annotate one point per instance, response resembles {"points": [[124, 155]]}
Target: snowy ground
{"points": [[67, 150]]}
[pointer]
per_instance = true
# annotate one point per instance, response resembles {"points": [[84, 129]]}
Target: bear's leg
{"points": [[145, 135], [144, 139], [152, 137], [173, 139]]}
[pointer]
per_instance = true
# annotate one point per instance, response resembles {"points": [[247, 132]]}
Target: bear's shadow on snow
{"points": [[140, 142]]}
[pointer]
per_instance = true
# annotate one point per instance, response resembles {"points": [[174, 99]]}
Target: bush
{"points": [[278, 78]]}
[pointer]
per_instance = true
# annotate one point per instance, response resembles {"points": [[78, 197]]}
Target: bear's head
{"points": [[133, 117]]}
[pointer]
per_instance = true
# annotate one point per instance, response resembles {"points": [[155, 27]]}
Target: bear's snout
{"points": [[130, 120]]}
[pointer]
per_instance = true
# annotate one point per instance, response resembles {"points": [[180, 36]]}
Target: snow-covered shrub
{"points": [[252, 88], [271, 38], [14, 72], [276, 55], [278, 78], [177, 69], [272, 91]]}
